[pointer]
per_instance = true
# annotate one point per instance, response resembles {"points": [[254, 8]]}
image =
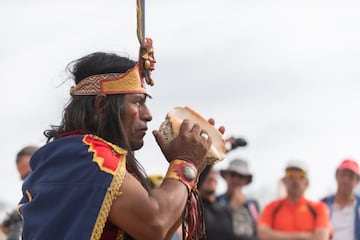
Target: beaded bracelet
{"points": [[183, 171]]}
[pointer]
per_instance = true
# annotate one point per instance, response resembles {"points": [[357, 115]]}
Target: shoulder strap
{"points": [[281, 203], [253, 208], [276, 210], [312, 210]]}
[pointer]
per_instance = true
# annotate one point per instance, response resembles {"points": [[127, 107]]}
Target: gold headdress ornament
{"points": [[133, 81]]}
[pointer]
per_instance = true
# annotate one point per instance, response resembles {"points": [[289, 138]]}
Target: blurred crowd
{"points": [[235, 216]]}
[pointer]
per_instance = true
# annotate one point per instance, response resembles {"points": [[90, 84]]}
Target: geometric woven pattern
{"points": [[111, 83]]}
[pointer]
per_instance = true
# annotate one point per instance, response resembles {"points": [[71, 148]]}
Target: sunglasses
{"points": [[234, 174], [295, 174]]}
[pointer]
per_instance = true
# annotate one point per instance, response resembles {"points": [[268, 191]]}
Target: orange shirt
{"points": [[295, 217]]}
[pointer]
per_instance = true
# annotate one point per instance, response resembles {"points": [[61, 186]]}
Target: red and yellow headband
{"points": [[111, 83], [133, 81]]}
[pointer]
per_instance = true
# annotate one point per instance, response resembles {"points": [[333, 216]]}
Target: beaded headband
{"points": [[133, 81]]}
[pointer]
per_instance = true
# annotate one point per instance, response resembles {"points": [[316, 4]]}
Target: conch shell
{"points": [[171, 126]]}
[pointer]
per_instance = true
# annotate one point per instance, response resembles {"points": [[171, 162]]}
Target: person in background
{"points": [[294, 216], [344, 205], [22, 160], [11, 225], [218, 222], [155, 180], [245, 211]]}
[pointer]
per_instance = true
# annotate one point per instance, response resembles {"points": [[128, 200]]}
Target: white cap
{"points": [[294, 163]]}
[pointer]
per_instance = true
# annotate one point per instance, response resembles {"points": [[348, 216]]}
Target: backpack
{"points": [[309, 207], [254, 209], [245, 219], [281, 203]]}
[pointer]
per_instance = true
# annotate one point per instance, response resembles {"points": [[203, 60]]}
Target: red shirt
{"points": [[296, 217]]}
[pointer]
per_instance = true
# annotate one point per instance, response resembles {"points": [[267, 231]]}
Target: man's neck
{"points": [[344, 199], [294, 199]]}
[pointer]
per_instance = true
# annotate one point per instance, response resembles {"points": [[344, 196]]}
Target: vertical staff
{"points": [[146, 53]]}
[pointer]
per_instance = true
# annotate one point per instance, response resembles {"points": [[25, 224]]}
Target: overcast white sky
{"points": [[284, 74]]}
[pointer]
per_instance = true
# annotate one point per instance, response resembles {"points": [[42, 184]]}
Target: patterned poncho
{"points": [[69, 193]]}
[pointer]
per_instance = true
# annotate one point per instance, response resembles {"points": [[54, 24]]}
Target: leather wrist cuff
{"points": [[183, 171]]}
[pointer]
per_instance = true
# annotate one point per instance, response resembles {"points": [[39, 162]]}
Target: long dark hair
{"points": [[80, 114]]}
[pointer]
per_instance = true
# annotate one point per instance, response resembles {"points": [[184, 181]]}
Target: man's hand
{"points": [[189, 145]]}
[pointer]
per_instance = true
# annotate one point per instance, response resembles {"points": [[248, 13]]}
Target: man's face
{"points": [[296, 182], [23, 166], [134, 118], [234, 179], [210, 183], [346, 180]]}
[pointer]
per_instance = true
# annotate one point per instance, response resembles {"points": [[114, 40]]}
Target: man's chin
{"points": [[137, 146]]}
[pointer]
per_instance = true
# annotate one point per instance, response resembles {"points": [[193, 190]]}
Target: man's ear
{"points": [[100, 101]]}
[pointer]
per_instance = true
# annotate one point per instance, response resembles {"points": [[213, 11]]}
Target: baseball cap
{"points": [[294, 163], [349, 164]]}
